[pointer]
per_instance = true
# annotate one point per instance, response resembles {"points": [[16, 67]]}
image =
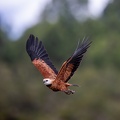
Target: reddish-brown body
{"points": [[57, 85]]}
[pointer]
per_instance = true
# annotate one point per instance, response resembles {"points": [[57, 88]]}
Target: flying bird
{"points": [[55, 80]]}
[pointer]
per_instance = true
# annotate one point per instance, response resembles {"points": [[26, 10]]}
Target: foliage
{"points": [[22, 93]]}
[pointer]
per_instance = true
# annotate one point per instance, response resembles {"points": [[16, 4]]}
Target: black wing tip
{"points": [[85, 42], [31, 35], [83, 45], [35, 48], [31, 46], [29, 40], [81, 49]]}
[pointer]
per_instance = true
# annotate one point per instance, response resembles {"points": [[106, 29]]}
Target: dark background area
{"points": [[22, 93]]}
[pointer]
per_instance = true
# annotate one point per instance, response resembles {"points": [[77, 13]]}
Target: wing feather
{"points": [[39, 57], [69, 67]]}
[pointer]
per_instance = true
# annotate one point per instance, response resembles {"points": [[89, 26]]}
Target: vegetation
{"points": [[22, 93]]}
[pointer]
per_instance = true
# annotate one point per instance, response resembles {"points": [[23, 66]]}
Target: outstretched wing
{"points": [[69, 67], [40, 58]]}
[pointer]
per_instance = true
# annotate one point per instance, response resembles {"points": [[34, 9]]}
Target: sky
{"points": [[23, 14]]}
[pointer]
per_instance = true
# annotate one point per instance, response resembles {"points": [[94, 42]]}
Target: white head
{"points": [[47, 81]]}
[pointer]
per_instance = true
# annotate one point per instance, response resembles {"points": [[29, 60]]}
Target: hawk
{"points": [[55, 80]]}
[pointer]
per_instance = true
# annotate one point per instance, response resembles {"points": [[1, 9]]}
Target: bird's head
{"points": [[47, 81]]}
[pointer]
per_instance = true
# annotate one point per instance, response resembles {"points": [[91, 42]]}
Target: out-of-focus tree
{"points": [[22, 94], [68, 9]]}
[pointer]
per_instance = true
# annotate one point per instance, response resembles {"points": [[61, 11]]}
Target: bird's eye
{"points": [[46, 80]]}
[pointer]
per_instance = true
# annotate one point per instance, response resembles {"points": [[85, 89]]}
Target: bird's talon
{"points": [[68, 92], [75, 85]]}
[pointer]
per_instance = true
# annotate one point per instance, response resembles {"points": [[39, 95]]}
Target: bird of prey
{"points": [[55, 80]]}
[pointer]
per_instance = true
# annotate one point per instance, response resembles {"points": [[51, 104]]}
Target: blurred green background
{"points": [[22, 93]]}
